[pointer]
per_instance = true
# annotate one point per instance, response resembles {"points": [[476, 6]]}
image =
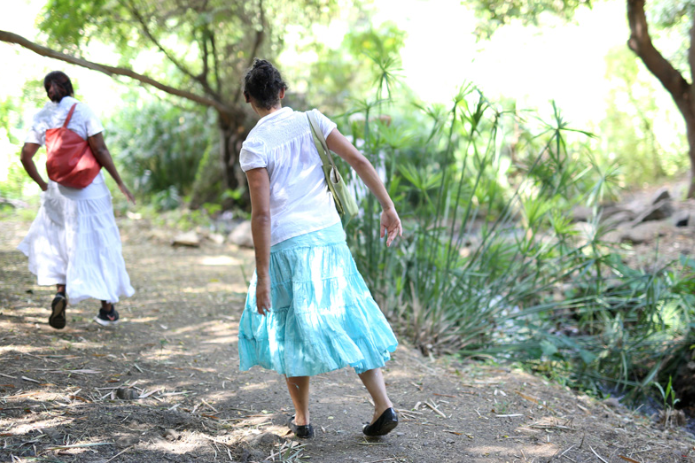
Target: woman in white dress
{"points": [[74, 241]]}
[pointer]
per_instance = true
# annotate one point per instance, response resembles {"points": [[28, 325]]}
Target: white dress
{"points": [[74, 239]]}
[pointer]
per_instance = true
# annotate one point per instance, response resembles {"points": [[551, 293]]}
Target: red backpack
{"points": [[70, 161]]}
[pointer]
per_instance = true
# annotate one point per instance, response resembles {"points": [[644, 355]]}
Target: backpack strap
{"points": [[67, 120]]}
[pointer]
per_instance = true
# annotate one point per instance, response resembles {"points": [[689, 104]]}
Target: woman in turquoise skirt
{"points": [[308, 310]]}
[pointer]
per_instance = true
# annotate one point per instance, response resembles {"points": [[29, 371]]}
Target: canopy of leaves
{"points": [[207, 44], [495, 13], [350, 70]]}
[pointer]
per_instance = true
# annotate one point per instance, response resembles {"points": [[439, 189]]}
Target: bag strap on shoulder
{"points": [[320, 141], [67, 120]]}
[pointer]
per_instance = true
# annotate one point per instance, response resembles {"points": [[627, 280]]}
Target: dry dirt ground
{"points": [[68, 396]]}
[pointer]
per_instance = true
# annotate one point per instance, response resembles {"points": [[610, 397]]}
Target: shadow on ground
{"points": [[164, 385]]}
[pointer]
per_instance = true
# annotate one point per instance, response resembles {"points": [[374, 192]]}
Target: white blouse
{"points": [[83, 122], [300, 201]]}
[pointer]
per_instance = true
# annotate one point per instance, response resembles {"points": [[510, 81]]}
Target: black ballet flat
{"points": [[386, 423], [303, 432]]}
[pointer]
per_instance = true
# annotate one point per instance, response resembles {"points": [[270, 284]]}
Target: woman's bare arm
{"points": [[27, 157], [340, 145], [259, 189], [390, 223], [102, 154]]}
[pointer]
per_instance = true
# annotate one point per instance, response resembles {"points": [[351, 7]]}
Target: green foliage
{"points": [[673, 20], [639, 131], [490, 263], [14, 182], [669, 395], [495, 13], [206, 45], [343, 72], [160, 147], [179, 218], [200, 47]]}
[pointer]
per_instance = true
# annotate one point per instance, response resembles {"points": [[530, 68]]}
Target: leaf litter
{"points": [[189, 402]]}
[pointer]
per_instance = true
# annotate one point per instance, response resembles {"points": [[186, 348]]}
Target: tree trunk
{"points": [[220, 170], [690, 127], [232, 137], [682, 91], [228, 155]]}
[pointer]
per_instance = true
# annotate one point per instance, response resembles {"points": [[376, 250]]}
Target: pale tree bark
{"points": [[682, 92]]}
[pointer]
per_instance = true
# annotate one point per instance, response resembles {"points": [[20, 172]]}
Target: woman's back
{"points": [[300, 201]]}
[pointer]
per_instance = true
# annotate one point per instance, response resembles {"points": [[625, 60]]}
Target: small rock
{"points": [[190, 239], [171, 435], [581, 214], [644, 232], [125, 393], [267, 439], [241, 235], [400, 434], [159, 235], [127, 441], [671, 418], [613, 209], [216, 238], [612, 402], [619, 220], [659, 211], [615, 236], [251, 455], [681, 219], [660, 195]]}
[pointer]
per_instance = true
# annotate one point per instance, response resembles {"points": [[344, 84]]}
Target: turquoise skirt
{"points": [[323, 316]]}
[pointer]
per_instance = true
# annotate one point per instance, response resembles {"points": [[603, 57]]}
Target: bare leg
{"points": [[373, 380], [60, 288], [299, 392], [106, 306]]}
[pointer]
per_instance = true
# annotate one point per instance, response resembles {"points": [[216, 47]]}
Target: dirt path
{"points": [[177, 347]]}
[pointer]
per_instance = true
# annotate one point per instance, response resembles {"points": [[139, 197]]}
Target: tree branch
{"points": [[641, 43], [10, 37], [206, 58], [148, 33], [260, 36], [691, 55], [201, 79], [216, 62]]}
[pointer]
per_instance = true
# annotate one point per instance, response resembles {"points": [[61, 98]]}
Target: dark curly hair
{"points": [[62, 81], [263, 83]]}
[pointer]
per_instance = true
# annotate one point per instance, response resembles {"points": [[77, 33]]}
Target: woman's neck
{"points": [[264, 112]]}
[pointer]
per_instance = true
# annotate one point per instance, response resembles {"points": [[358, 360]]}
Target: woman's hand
{"points": [[263, 295], [126, 192], [391, 224]]}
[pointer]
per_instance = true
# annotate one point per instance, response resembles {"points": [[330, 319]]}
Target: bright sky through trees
{"points": [[565, 62]]}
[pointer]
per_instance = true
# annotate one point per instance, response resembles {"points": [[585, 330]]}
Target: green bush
{"points": [[642, 129], [490, 262], [159, 148]]}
